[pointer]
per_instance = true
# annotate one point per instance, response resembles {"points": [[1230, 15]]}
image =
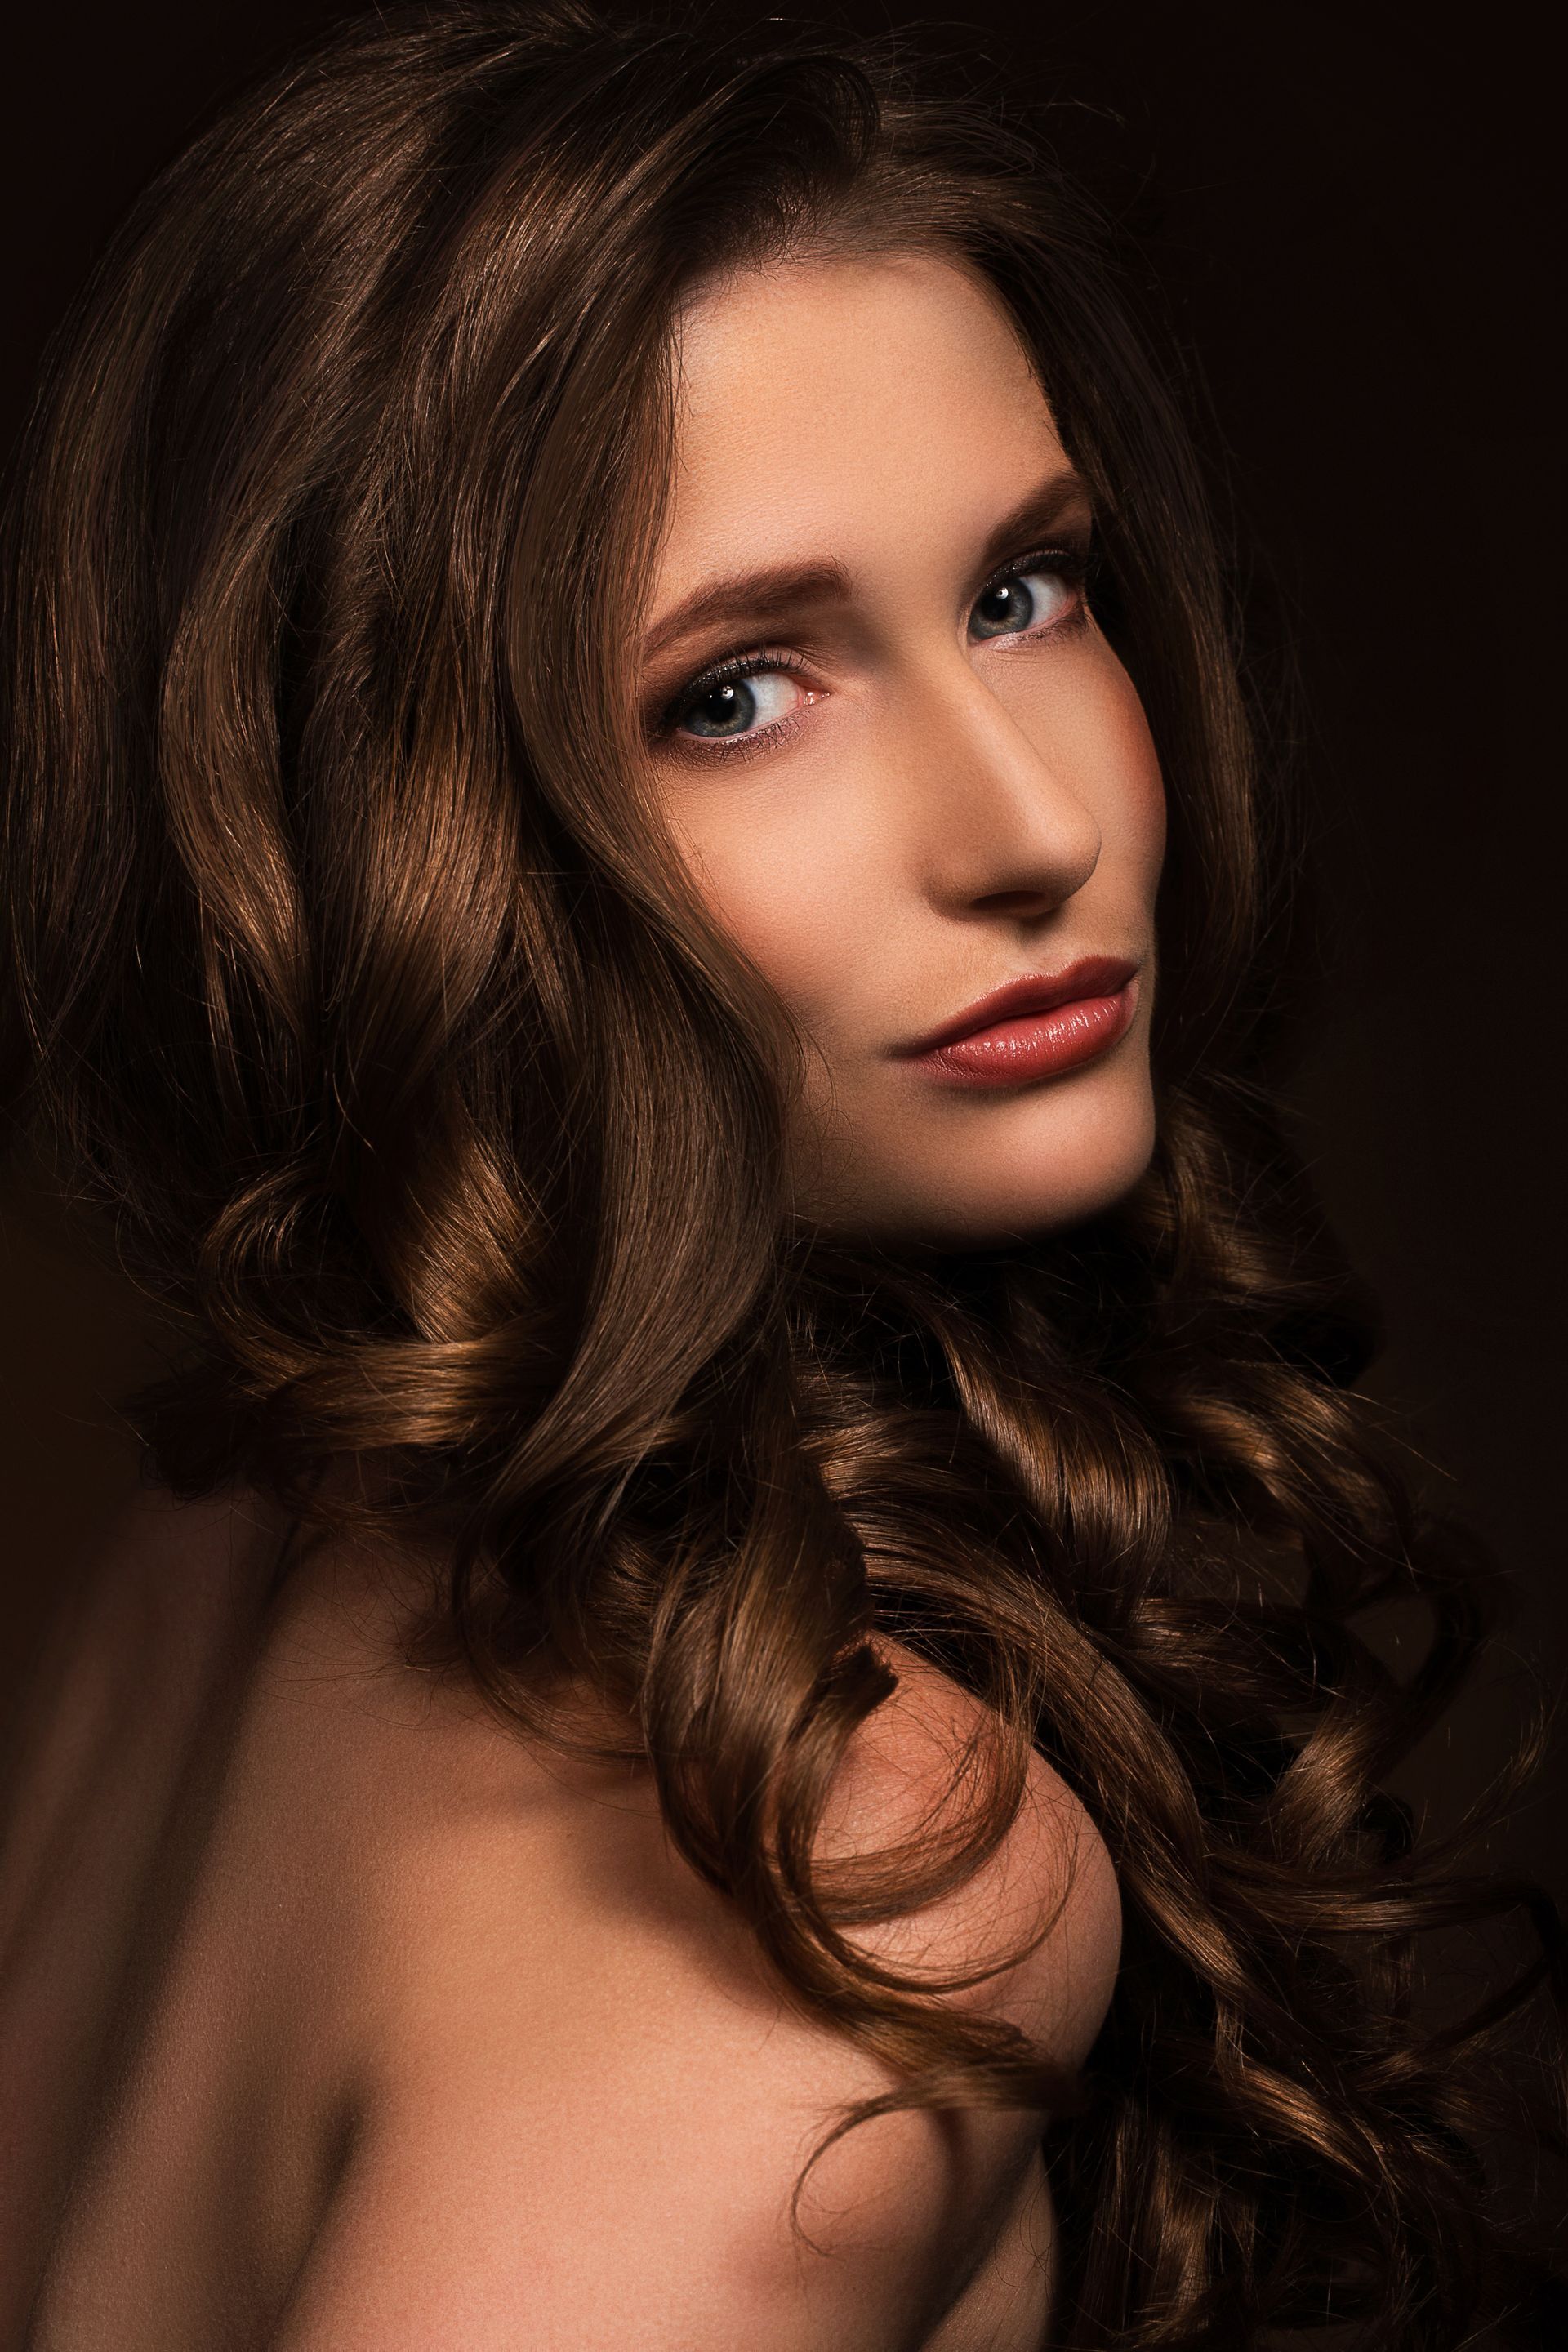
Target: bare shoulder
{"points": [[459, 1849], [445, 2047], [584, 2103], [1050, 1884]]}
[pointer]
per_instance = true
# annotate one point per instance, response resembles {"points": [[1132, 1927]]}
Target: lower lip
{"points": [[1036, 1045]]}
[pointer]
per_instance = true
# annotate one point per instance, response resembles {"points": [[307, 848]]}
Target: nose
{"points": [[1000, 829]]}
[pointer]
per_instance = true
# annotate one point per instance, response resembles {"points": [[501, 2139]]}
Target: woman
{"points": [[736, 1717]]}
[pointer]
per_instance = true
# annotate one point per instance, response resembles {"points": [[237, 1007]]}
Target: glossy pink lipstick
{"points": [[1034, 1028]]}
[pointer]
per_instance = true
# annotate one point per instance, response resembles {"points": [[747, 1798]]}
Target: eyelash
{"points": [[1071, 564]]}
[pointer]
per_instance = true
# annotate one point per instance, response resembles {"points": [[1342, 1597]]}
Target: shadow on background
{"points": [[1341, 210]]}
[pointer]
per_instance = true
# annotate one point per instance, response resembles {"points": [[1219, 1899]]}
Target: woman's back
{"points": [[413, 2034]]}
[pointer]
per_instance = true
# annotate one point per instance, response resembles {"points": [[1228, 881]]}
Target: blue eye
{"points": [[742, 697], [1023, 599], [755, 696]]}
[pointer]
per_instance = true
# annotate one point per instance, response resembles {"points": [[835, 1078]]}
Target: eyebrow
{"points": [[1039, 511], [747, 598], [776, 592]]}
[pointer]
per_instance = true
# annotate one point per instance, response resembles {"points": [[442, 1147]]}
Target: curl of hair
{"points": [[350, 970]]}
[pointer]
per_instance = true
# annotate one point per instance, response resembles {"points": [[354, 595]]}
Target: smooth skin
{"points": [[451, 2052], [940, 795], [900, 807], [446, 2049]]}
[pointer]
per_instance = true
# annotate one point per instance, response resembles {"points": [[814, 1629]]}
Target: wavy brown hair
{"points": [[351, 972]]}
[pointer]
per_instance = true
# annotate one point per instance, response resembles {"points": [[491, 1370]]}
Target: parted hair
{"points": [[350, 971]]}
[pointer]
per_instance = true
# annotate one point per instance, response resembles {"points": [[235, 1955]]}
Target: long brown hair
{"points": [[352, 973]]}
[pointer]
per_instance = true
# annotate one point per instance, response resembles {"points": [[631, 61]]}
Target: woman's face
{"points": [[907, 774]]}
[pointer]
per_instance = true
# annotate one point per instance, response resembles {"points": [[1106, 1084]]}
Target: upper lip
{"points": [[1035, 993]]}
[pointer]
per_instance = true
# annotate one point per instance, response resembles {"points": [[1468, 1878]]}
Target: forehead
{"points": [[824, 403]]}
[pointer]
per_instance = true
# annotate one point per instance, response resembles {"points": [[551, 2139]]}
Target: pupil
{"points": [[1008, 605], [726, 709]]}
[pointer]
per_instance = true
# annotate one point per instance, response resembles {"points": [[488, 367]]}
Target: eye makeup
{"points": [[1069, 563]]}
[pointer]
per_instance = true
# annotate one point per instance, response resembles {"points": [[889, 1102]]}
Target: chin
{"points": [[1028, 1164]]}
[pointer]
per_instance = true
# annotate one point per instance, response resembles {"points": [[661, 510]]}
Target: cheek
{"points": [[789, 883], [1139, 820], [1099, 740]]}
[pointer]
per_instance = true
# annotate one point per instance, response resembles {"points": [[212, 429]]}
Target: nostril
{"points": [[1015, 902]]}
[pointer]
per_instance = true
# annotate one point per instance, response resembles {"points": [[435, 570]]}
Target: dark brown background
{"points": [[1342, 207]]}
